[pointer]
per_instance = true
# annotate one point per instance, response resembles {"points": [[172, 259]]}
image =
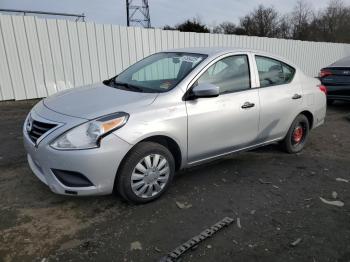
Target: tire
{"points": [[139, 172], [297, 135], [330, 102]]}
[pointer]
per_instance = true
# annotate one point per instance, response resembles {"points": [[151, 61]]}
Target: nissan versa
{"points": [[169, 111]]}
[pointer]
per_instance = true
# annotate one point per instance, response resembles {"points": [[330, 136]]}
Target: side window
{"points": [[273, 72], [288, 72], [231, 74]]}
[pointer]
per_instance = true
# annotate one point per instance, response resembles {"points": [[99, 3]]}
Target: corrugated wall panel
{"points": [[152, 41], [164, 37], [54, 42], [107, 31], [181, 40], [66, 53], [145, 43], [46, 57], [176, 39], [131, 44], [6, 88], [35, 55], [24, 57], [101, 52], [158, 40], [138, 47], [84, 53], [117, 49], [42, 56], [10, 46], [76, 62], [124, 47], [92, 43]]}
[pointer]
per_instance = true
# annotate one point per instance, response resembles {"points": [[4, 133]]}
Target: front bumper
{"points": [[99, 165]]}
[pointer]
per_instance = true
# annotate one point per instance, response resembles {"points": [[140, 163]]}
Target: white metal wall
{"points": [[39, 57]]}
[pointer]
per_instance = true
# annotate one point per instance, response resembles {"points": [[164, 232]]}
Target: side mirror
{"points": [[108, 81], [205, 90]]}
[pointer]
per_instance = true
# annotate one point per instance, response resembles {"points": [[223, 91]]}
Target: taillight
{"points": [[324, 73], [323, 89]]}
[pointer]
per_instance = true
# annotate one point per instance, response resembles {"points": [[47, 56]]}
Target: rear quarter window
{"points": [[273, 72]]}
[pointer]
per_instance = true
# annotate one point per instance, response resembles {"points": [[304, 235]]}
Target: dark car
{"points": [[336, 78]]}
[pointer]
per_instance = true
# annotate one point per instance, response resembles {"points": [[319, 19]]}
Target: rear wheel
{"points": [[297, 135], [146, 173]]}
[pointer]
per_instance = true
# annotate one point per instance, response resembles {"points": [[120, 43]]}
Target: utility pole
{"points": [[137, 14], [127, 13]]}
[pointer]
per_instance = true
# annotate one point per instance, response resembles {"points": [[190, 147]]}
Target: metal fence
{"points": [[39, 57]]}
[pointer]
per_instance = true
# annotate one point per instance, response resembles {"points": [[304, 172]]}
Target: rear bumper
{"points": [[338, 97], [338, 92]]}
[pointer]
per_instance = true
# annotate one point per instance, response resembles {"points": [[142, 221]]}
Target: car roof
{"points": [[216, 51], [208, 50], [345, 61]]}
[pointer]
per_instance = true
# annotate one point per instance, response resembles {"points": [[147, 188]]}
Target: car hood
{"points": [[96, 100]]}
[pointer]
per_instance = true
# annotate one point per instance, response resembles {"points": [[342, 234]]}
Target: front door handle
{"points": [[247, 105], [296, 96]]}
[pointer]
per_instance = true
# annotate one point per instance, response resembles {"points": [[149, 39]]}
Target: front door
{"points": [[228, 122]]}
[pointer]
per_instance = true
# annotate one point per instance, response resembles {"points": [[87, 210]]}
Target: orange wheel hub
{"points": [[298, 134]]}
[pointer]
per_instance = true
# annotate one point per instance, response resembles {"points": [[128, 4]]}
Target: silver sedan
{"points": [[169, 111]]}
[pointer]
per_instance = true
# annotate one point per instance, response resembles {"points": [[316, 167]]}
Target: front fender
{"points": [[170, 121]]}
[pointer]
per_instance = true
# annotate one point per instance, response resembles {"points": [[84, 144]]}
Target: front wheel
{"points": [[146, 172], [297, 135]]}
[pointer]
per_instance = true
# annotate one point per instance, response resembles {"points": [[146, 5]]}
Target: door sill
{"points": [[207, 159]]}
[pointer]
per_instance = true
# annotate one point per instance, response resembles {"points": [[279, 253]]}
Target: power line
{"points": [[24, 12]]}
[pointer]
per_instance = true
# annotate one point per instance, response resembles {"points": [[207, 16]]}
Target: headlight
{"points": [[28, 123], [88, 135]]}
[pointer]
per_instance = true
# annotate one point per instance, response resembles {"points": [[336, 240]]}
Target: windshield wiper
{"points": [[128, 86]]}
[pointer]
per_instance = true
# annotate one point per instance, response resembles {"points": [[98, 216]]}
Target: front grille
{"points": [[38, 129]]}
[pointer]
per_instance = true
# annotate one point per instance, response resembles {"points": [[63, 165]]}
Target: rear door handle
{"points": [[296, 96], [247, 105]]}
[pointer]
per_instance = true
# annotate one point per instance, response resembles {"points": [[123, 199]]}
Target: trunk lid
{"points": [[337, 76]]}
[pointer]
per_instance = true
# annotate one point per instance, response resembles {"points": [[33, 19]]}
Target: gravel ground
{"points": [[276, 197]]}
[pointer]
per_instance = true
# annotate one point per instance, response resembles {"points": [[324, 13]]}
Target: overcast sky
{"points": [[162, 12]]}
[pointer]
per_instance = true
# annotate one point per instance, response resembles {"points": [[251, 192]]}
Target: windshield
{"points": [[157, 73]]}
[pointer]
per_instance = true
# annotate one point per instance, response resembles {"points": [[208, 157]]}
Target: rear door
{"points": [[223, 124], [280, 97]]}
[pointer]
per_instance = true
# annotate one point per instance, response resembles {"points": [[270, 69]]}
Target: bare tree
{"points": [[335, 21], [331, 24], [190, 25], [193, 25], [263, 21], [300, 20], [285, 30], [168, 27], [225, 28]]}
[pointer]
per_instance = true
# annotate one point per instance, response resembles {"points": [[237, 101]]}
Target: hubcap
{"points": [[298, 134], [150, 176]]}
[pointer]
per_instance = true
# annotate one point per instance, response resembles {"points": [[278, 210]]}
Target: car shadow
{"points": [[340, 106], [231, 160]]}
